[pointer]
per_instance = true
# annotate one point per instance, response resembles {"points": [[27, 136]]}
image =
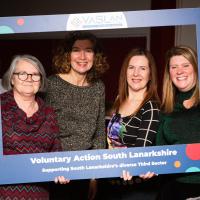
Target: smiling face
{"points": [[82, 57], [182, 73], [138, 73], [27, 87]]}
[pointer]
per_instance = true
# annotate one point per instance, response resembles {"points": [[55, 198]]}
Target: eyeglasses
{"points": [[23, 76]]}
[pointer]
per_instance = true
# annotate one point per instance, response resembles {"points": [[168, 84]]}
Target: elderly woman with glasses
{"points": [[28, 125]]}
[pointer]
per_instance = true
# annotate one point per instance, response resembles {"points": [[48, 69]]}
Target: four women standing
{"points": [[78, 96]]}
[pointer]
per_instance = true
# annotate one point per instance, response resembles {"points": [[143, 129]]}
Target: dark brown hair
{"points": [[61, 60]]}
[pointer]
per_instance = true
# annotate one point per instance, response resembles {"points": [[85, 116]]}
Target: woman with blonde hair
{"points": [[180, 119]]}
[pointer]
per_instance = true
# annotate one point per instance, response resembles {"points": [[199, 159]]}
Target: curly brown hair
{"points": [[62, 61]]}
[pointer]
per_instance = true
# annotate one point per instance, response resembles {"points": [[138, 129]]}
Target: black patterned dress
{"points": [[138, 130]]}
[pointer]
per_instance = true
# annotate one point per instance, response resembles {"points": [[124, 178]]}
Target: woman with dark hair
{"points": [[78, 97], [180, 118], [134, 122]]}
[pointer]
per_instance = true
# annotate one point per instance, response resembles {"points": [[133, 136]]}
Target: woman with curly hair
{"points": [[78, 96]]}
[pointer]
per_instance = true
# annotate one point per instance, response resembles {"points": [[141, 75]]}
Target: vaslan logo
{"points": [[87, 21]]}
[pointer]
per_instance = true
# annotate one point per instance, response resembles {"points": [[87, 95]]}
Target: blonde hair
{"points": [[169, 90]]}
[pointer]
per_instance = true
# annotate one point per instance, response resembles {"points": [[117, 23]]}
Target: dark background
{"points": [[161, 39]]}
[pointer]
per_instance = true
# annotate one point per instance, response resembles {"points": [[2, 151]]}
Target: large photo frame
{"points": [[99, 163]]}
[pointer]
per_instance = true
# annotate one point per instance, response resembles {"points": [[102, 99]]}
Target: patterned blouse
{"points": [[138, 130], [23, 135]]}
